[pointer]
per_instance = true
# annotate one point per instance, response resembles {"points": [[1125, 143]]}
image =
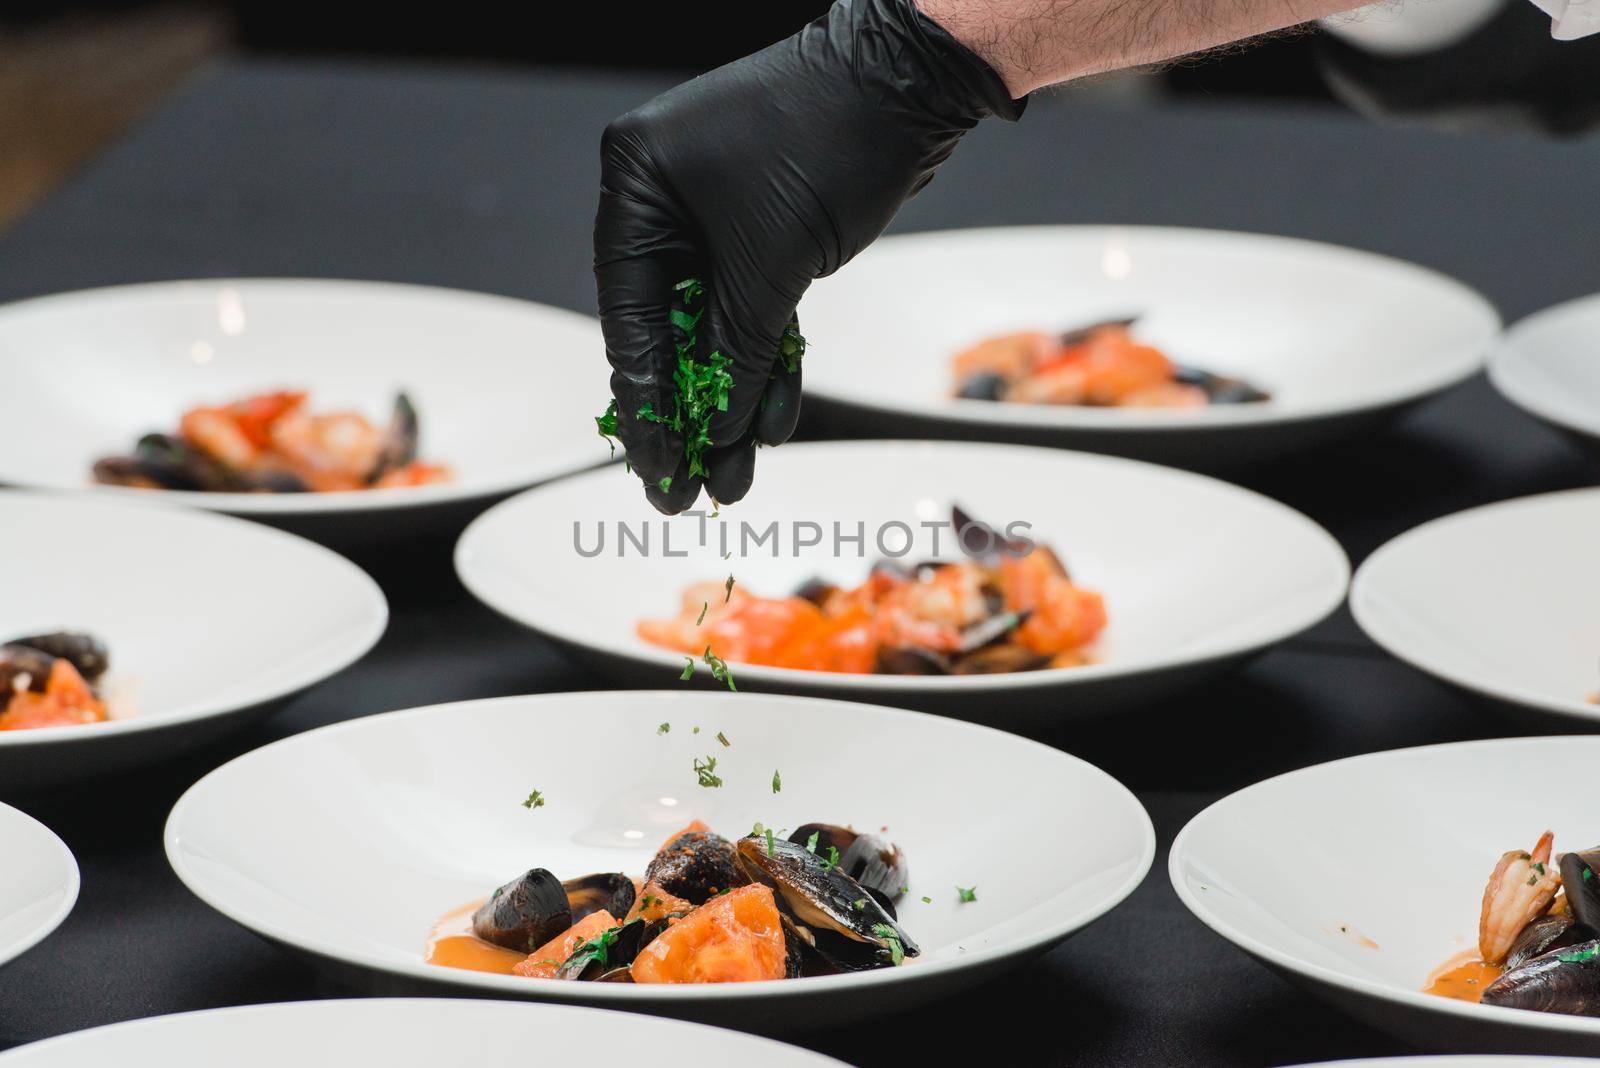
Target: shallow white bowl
{"points": [[1549, 365], [209, 620], [505, 388], [404, 1033], [1503, 600], [1338, 337], [39, 885], [1196, 573], [1303, 870], [381, 825]]}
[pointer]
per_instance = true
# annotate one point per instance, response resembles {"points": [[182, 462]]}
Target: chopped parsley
{"points": [[859, 903], [728, 587], [596, 949], [723, 738], [719, 669], [891, 938], [688, 669], [606, 422], [705, 771], [811, 843], [831, 861], [1588, 873], [703, 609], [791, 347], [927, 901], [665, 484], [769, 841], [535, 800], [666, 727], [1580, 956], [968, 893], [777, 787]]}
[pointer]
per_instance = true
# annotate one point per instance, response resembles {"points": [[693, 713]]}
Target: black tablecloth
{"points": [[487, 181]]}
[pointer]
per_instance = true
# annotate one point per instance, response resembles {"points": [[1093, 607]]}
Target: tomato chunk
{"points": [[543, 962], [733, 938]]}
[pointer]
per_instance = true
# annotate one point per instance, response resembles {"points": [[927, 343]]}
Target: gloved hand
{"points": [[758, 178]]}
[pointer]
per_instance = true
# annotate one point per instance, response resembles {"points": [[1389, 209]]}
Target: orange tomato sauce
{"points": [[453, 945], [1462, 977]]}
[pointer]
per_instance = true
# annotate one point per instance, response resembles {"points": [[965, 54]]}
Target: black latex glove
{"points": [[758, 178]]}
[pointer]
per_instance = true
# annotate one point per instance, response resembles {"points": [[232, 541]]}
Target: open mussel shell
{"points": [[1565, 981], [611, 891], [1544, 935], [525, 913], [696, 866], [876, 863], [1580, 878], [400, 438], [83, 651], [846, 923], [598, 959], [1220, 389]]}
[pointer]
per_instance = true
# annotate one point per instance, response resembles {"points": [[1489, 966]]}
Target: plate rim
{"points": [[364, 584], [568, 459], [1509, 357], [1369, 988], [1071, 419], [334, 1006], [891, 684], [1361, 609], [624, 994], [11, 952]]}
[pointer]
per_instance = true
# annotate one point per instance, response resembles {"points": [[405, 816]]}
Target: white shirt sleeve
{"points": [[1404, 28], [1572, 19]]}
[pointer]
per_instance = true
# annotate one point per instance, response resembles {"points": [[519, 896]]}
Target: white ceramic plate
{"points": [[39, 885], [1503, 600], [505, 389], [1195, 573], [405, 1033], [1336, 336], [1549, 365], [208, 620], [381, 825], [1358, 878]]}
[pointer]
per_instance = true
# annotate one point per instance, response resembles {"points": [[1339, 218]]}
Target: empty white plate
{"points": [[1360, 877], [1338, 337], [1195, 573], [381, 825], [208, 620], [505, 389], [1549, 365], [1503, 600], [404, 1033], [39, 885]]}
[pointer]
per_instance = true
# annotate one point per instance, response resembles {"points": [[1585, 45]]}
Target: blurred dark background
{"points": [[73, 75]]}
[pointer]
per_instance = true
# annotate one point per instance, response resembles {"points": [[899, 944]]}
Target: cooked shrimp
{"points": [[1520, 890], [1010, 356], [331, 452]]}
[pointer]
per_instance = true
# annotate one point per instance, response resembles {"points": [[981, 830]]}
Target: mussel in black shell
{"points": [[696, 866], [1543, 935], [876, 863], [611, 891], [845, 922], [1565, 981], [525, 913]]}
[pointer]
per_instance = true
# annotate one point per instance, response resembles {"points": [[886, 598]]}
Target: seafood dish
{"points": [[1007, 605], [1538, 936], [48, 680], [707, 910], [1099, 365], [272, 443]]}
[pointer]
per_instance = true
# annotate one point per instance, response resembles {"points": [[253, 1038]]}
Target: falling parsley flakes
{"points": [[705, 771], [726, 597], [688, 669], [777, 787], [535, 800], [703, 609], [927, 901], [811, 843], [968, 893], [665, 727], [719, 669], [723, 738]]}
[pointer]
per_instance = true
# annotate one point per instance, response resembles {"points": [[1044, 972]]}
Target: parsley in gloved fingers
{"points": [[756, 179], [701, 388]]}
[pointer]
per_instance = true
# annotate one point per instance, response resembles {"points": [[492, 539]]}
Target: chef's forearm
{"points": [[1035, 43]]}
